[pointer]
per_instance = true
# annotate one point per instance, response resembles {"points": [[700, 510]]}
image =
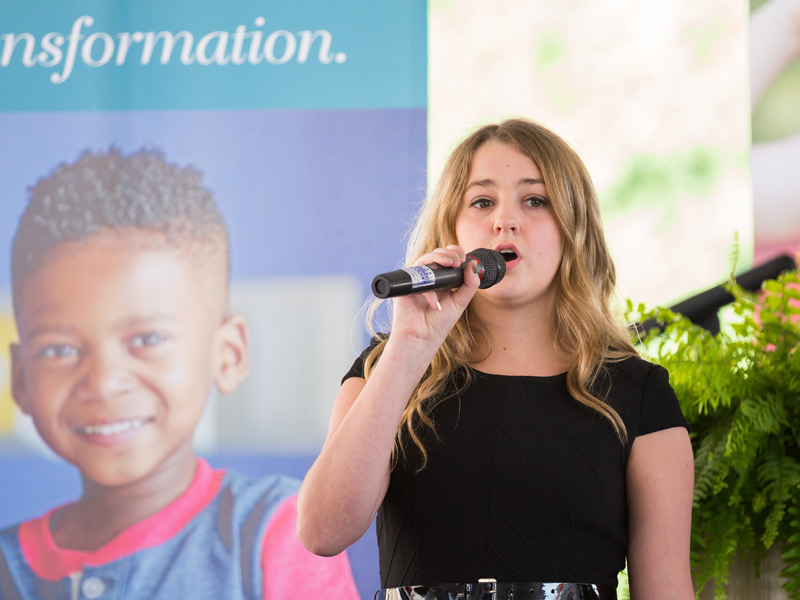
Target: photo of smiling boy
{"points": [[119, 287]]}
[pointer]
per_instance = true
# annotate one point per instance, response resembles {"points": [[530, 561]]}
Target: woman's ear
{"points": [[232, 353], [18, 379]]}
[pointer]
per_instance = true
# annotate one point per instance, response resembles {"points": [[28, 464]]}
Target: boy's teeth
{"points": [[112, 428]]}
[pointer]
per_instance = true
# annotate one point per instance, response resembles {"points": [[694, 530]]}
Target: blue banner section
{"points": [[248, 54]]}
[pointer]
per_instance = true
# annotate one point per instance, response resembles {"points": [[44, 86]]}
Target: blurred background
{"points": [[320, 153]]}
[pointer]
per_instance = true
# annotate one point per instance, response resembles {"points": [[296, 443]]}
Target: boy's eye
{"points": [[57, 351], [481, 203], [144, 340]]}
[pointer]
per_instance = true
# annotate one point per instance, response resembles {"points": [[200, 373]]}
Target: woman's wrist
{"points": [[409, 353]]}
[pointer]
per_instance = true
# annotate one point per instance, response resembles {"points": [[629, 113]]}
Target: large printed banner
{"points": [[308, 123]]}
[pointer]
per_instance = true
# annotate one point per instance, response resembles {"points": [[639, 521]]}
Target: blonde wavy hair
{"points": [[585, 326]]}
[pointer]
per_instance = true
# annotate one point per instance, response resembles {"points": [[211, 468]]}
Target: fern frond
{"points": [[779, 476], [790, 552]]}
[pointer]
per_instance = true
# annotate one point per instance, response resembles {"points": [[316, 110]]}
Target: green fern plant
{"points": [[740, 391]]}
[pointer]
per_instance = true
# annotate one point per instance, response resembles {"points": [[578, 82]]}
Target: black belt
{"points": [[489, 589]]}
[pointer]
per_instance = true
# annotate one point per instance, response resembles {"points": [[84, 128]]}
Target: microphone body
{"points": [[424, 278]]}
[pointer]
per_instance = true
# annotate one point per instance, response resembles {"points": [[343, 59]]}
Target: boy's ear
{"points": [[233, 353], [18, 379]]}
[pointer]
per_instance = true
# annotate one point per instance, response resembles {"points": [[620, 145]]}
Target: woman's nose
{"points": [[506, 220]]}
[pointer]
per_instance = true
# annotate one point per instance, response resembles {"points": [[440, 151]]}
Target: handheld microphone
{"points": [[424, 278]]}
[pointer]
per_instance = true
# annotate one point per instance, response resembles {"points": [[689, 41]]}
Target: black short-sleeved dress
{"points": [[522, 483]]}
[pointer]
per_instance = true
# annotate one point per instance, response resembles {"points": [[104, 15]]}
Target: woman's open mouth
{"points": [[509, 254]]}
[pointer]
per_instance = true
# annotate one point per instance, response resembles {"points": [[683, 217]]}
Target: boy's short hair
{"points": [[108, 191]]}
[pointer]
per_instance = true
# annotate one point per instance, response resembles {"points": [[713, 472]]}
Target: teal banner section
{"points": [[244, 54]]}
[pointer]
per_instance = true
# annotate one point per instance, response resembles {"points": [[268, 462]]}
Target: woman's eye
{"points": [[57, 351], [481, 203], [536, 201], [144, 340]]}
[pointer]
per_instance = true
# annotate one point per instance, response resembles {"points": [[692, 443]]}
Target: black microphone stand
{"points": [[701, 309]]}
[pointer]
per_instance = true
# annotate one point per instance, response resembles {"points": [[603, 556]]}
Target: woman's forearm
{"points": [[346, 484]]}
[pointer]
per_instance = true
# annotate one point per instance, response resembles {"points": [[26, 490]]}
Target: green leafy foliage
{"points": [[740, 391]]}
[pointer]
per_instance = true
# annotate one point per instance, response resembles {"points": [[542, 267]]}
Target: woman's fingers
{"points": [[433, 300], [465, 292], [451, 256], [461, 255], [432, 314]]}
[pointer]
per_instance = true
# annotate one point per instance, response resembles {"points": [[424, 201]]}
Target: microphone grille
{"points": [[494, 266]]}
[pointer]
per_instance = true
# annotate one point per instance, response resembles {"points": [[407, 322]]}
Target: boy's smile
{"points": [[112, 432], [121, 339]]}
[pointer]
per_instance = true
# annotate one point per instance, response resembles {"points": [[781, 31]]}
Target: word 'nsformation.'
{"points": [[99, 48]]}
